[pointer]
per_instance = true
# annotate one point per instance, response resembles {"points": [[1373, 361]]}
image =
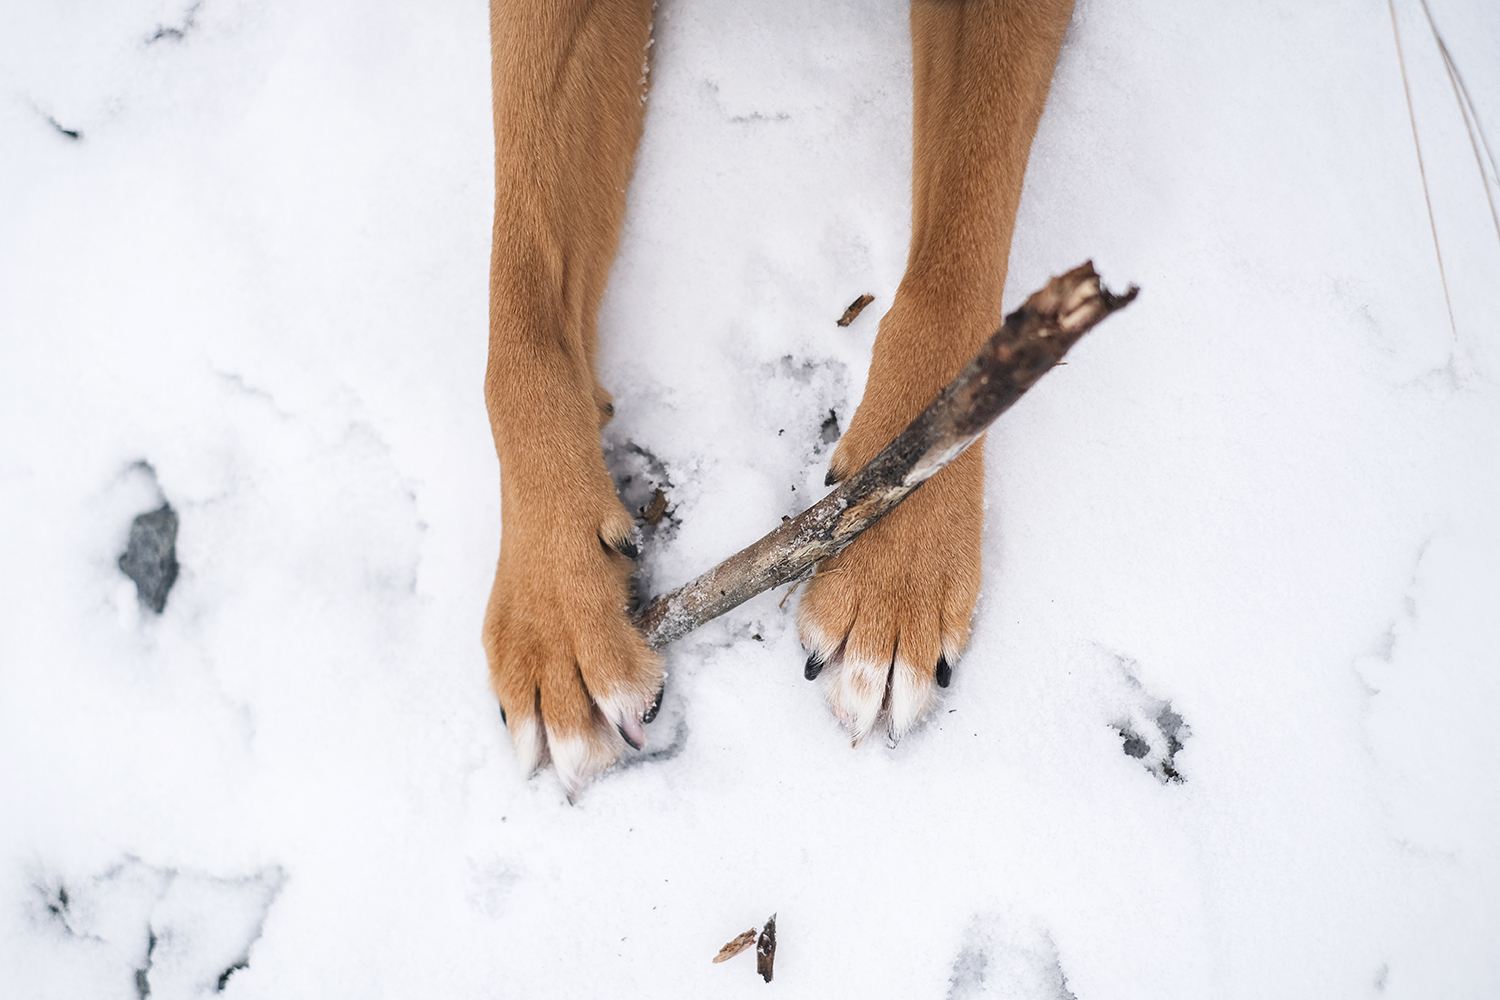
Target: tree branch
{"points": [[1032, 340]]}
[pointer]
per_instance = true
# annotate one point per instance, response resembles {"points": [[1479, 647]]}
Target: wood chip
{"points": [[765, 949], [654, 510], [855, 308], [736, 946]]}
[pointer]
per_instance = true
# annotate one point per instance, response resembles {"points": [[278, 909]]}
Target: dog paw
{"points": [[886, 620], [576, 681]]}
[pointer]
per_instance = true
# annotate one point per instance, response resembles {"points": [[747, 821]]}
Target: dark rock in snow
{"points": [[150, 558]]}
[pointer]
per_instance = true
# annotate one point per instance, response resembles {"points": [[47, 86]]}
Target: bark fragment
{"points": [[855, 308], [653, 511], [733, 948], [765, 949]]}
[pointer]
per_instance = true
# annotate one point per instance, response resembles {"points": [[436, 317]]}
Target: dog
{"points": [[574, 679]]}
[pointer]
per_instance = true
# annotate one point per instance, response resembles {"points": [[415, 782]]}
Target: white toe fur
{"points": [[856, 692], [911, 697], [577, 760], [857, 689], [531, 748]]}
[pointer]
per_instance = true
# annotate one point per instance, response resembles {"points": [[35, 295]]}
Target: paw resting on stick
{"points": [[577, 679], [872, 675]]}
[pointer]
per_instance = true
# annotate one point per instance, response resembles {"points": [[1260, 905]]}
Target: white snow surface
{"points": [[1259, 510]]}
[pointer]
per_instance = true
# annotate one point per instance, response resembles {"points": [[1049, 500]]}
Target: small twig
{"points": [[803, 579], [789, 592], [855, 308], [1029, 344]]}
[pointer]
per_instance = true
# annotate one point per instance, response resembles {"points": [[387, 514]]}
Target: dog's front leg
{"points": [[887, 619], [574, 678]]}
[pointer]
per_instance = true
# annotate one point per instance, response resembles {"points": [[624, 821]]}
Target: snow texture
{"points": [[173, 934], [1227, 724]]}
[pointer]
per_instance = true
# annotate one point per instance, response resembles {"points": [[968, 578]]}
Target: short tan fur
{"points": [[572, 675]]}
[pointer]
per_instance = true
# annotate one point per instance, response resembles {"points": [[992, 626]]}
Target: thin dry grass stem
{"points": [[1471, 118], [1422, 168], [799, 582]]}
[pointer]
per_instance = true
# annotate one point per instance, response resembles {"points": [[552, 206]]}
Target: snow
{"points": [[1263, 501]]}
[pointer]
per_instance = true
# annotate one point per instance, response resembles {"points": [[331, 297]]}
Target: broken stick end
{"points": [[1079, 300]]}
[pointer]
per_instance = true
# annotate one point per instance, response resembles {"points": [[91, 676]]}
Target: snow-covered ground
{"points": [[243, 266]]}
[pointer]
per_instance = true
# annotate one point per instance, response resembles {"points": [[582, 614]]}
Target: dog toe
{"points": [[626, 712], [911, 696], [856, 692], [579, 758], [884, 621], [575, 679], [528, 737], [577, 727]]}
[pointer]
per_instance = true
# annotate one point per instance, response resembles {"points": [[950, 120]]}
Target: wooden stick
{"points": [[1031, 342]]}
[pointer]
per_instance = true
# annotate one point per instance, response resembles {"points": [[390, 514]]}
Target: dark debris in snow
{"points": [[179, 31], [68, 133], [829, 432], [644, 487], [1151, 730], [150, 557]]}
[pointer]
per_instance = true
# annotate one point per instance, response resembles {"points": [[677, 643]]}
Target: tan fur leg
{"points": [[895, 615], [573, 677]]}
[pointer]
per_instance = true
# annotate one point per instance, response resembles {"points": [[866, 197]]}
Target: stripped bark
{"points": [[1030, 343], [736, 946]]}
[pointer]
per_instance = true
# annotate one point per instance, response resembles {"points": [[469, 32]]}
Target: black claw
{"points": [[650, 715], [944, 672], [814, 667], [627, 548], [626, 737], [503, 720], [832, 478]]}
